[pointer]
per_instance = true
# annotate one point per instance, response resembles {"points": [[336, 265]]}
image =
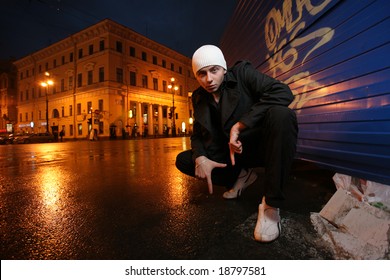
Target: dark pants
{"points": [[271, 144]]}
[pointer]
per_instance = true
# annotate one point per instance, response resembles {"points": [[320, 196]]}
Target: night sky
{"points": [[182, 25]]}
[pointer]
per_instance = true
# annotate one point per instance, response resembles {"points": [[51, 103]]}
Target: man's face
{"points": [[211, 77]]}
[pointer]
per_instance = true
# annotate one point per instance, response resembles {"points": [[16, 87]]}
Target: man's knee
{"points": [[180, 160], [281, 117], [184, 162], [281, 114]]}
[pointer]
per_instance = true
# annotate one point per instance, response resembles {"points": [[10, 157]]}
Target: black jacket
{"points": [[246, 95]]}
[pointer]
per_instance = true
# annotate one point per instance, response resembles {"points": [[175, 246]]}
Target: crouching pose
{"points": [[242, 121]]}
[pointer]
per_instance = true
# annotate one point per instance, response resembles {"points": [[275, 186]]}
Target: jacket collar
{"points": [[229, 97]]}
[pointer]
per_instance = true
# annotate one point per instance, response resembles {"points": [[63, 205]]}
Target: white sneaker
{"points": [[268, 226], [246, 178]]}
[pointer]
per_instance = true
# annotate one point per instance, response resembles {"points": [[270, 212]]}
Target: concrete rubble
{"points": [[353, 227]]}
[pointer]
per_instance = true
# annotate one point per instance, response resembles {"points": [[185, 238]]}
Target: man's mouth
{"points": [[212, 88]]}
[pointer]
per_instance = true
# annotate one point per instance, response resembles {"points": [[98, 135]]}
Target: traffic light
{"points": [[90, 121]]}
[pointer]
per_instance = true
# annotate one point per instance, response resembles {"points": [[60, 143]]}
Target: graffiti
{"points": [[287, 48]]}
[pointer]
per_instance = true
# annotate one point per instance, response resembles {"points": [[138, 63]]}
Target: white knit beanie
{"points": [[207, 55]]}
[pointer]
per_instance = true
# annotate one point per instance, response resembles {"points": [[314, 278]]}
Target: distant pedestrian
{"points": [[55, 133], [62, 134]]}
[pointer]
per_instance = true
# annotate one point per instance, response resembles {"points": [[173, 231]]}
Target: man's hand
{"points": [[203, 168], [235, 145]]}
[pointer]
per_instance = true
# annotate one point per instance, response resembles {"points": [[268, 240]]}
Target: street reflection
{"points": [[184, 143], [177, 192], [50, 183], [56, 196]]}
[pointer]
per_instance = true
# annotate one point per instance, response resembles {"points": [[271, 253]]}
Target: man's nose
{"points": [[209, 77]]}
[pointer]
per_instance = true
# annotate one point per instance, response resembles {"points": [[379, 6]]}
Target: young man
{"points": [[241, 121]]}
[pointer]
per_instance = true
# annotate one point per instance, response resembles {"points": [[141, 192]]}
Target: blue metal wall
{"points": [[335, 56]]}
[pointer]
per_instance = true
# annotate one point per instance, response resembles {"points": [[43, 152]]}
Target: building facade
{"points": [[8, 101], [106, 80]]}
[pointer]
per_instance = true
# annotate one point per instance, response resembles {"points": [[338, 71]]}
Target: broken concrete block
{"points": [[345, 245], [338, 207], [366, 227], [356, 229]]}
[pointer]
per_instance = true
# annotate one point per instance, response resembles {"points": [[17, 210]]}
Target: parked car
{"points": [[34, 138], [6, 139]]}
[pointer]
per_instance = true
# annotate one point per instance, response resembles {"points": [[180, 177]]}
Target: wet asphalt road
{"points": [[124, 199]]}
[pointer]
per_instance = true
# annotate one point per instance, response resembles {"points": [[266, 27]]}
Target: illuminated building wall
{"points": [[120, 74], [8, 113]]}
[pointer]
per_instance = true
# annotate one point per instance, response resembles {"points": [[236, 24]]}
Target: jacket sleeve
{"points": [[264, 90], [197, 145], [196, 142]]}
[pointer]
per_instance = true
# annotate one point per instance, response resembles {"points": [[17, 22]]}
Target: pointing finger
{"points": [[210, 184], [232, 157]]}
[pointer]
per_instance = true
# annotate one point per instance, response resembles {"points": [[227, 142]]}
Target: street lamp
{"points": [[173, 88], [190, 120], [48, 82]]}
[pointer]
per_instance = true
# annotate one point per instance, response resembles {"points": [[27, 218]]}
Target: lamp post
{"points": [[173, 89], [190, 120], [48, 82]]}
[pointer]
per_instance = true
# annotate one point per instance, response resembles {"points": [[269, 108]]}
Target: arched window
{"points": [[56, 114]]}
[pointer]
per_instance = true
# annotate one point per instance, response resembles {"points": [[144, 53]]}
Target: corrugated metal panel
{"points": [[335, 56]]}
